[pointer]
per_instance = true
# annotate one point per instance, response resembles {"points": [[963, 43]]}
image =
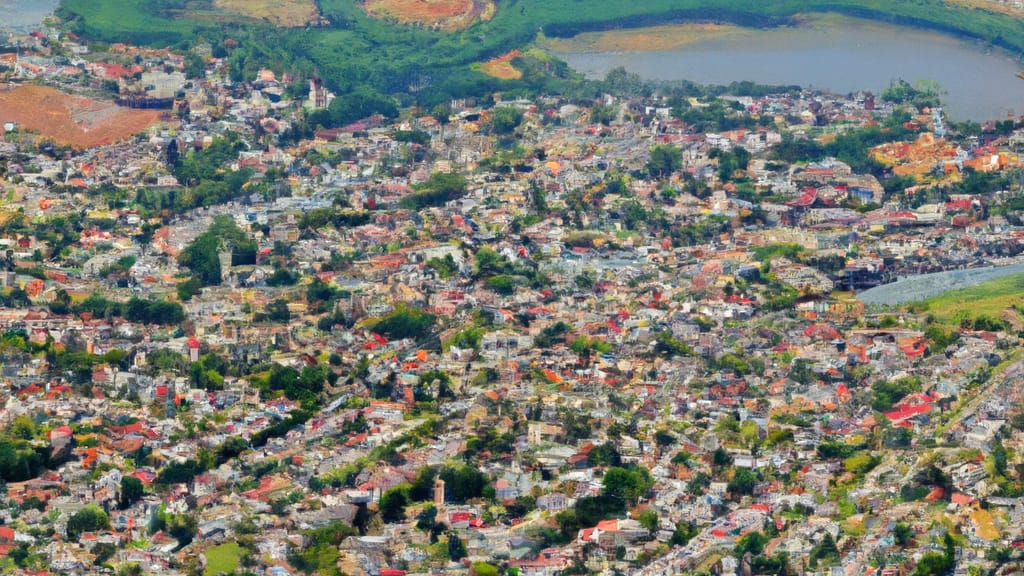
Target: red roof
{"points": [[822, 331], [961, 499], [905, 412], [806, 199]]}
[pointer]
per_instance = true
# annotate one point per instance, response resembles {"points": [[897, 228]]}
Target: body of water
{"points": [[840, 55], [24, 15]]}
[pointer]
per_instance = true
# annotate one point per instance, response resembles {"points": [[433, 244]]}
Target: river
{"points": [[840, 55], [24, 15]]}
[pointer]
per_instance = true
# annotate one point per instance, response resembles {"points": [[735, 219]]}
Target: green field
{"points": [[356, 50], [222, 558], [989, 298]]}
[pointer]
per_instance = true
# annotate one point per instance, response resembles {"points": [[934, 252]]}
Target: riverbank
{"points": [[348, 43], [833, 53], [24, 15], [685, 34], [649, 39]]}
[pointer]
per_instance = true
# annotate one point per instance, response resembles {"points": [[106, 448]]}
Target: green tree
{"points": [[627, 484], [195, 67], [405, 322], [189, 288], [825, 551], [665, 159], [649, 519], [505, 119], [721, 459], [903, 535], [999, 457], [131, 491], [684, 532], [456, 549], [443, 114], [88, 519], [440, 187], [753, 542], [604, 455], [393, 502], [463, 482], [742, 482], [277, 311]]}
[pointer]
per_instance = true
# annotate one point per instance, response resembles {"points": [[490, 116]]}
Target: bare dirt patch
{"points": [[73, 120], [652, 39], [999, 6], [444, 14], [501, 67], [290, 13]]}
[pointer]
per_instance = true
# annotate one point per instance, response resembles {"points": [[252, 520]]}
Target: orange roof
{"points": [[552, 377], [961, 499]]}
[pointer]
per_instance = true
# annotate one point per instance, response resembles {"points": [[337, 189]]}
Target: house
{"points": [[553, 502]]}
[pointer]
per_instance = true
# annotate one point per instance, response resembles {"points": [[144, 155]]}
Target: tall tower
{"points": [[224, 258], [439, 493]]}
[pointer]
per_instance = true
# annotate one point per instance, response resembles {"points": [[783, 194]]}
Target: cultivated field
{"points": [[74, 120], [444, 14], [289, 13]]}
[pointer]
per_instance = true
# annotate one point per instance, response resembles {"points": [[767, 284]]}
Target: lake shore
{"points": [[831, 53]]}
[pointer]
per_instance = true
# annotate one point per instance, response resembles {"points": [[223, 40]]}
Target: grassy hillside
{"points": [[990, 298], [356, 50]]}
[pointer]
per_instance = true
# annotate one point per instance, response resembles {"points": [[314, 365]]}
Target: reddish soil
{"points": [[501, 67], [73, 120], [445, 14]]}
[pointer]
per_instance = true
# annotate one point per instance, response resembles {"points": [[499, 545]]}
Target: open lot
{"points": [[73, 120], [222, 559], [446, 14], [290, 13], [501, 67]]}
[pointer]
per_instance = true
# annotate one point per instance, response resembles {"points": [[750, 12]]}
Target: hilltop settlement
{"points": [[250, 326]]}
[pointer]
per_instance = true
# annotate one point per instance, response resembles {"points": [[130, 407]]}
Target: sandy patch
{"points": [[652, 39]]}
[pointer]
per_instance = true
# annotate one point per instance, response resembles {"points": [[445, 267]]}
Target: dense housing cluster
{"points": [[630, 328]]}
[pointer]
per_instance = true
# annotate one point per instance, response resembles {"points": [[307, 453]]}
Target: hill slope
{"points": [[349, 48]]}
